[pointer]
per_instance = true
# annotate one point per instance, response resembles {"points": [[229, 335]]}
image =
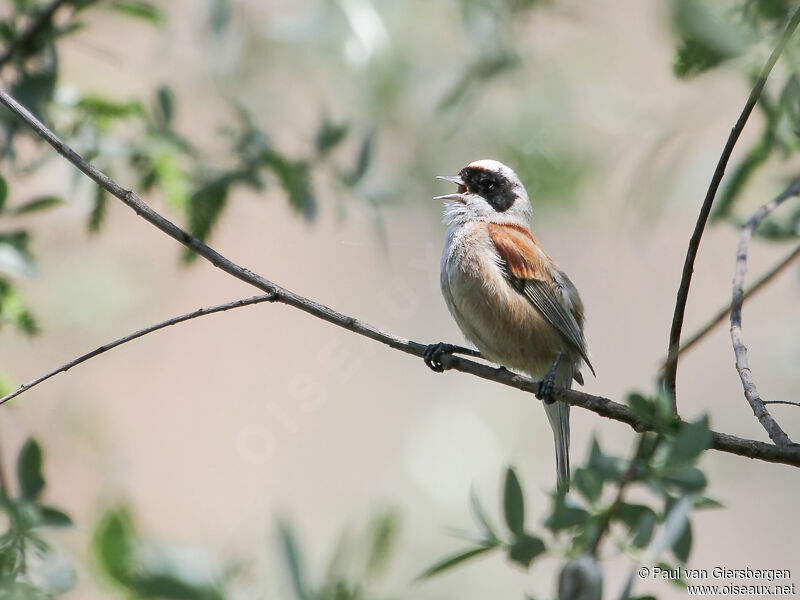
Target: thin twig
{"points": [[739, 349], [625, 480], [726, 310], [39, 22], [135, 335], [781, 402], [597, 404], [671, 372]]}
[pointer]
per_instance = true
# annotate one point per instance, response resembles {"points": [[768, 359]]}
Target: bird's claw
{"points": [[433, 354], [545, 392]]}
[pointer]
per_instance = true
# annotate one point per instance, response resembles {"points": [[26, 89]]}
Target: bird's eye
{"points": [[487, 183]]}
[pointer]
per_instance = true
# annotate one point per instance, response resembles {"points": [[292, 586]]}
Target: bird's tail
{"points": [[558, 415]]}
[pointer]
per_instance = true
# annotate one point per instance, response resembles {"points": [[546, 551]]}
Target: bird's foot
{"points": [[433, 355], [545, 393]]}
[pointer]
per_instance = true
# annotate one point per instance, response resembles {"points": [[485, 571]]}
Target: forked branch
{"points": [[739, 349]]}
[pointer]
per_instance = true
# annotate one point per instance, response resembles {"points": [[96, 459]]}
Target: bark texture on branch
{"points": [[776, 433], [602, 406]]}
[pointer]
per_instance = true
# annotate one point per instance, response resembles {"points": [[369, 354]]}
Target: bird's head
{"points": [[487, 191]]}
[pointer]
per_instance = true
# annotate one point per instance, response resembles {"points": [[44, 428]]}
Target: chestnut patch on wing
{"points": [[516, 249], [491, 185]]}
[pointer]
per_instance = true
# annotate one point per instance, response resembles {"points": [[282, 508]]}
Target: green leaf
{"points": [[384, 532], [688, 479], [640, 406], [640, 521], [756, 156], [35, 89], [295, 177], [53, 517], [15, 259], [480, 516], [330, 135], [702, 502], [219, 16], [683, 545], [630, 514], [694, 57], [566, 514], [526, 548], [609, 468], [581, 579], [14, 310], [205, 207], [294, 564], [3, 193], [643, 532], [105, 110], [114, 545], [165, 106], [513, 503], [98, 213], [689, 443], [6, 31], [454, 560], [708, 36], [139, 9], [589, 483], [362, 162], [29, 470], [37, 204], [678, 582], [172, 180], [488, 65], [172, 586], [774, 10]]}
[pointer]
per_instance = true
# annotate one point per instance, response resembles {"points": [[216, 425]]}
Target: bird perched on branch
{"points": [[506, 294]]}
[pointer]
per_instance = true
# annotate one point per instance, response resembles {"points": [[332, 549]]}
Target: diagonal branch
{"points": [[739, 349], [671, 371], [37, 24], [133, 336], [726, 310], [604, 407]]}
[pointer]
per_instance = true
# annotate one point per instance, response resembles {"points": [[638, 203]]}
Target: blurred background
{"points": [[301, 139]]}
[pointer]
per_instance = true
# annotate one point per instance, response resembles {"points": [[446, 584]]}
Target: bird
{"points": [[508, 297]]}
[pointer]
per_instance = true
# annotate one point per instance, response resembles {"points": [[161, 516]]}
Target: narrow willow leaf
{"points": [[454, 560], [513, 503]]}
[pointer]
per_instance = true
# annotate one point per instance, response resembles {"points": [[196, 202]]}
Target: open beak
{"points": [[459, 196]]}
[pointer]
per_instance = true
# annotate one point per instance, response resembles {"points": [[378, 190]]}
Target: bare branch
{"points": [[726, 310], [671, 372], [135, 335], [602, 406], [739, 349], [37, 24], [781, 402]]}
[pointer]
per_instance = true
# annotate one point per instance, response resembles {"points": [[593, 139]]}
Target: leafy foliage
{"points": [[663, 464], [710, 34], [354, 568], [124, 559], [26, 558]]}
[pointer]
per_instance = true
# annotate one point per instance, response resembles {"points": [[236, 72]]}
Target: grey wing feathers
{"points": [[544, 299]]}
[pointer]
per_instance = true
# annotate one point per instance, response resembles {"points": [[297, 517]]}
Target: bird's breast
{"points": [[494, 316]]}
